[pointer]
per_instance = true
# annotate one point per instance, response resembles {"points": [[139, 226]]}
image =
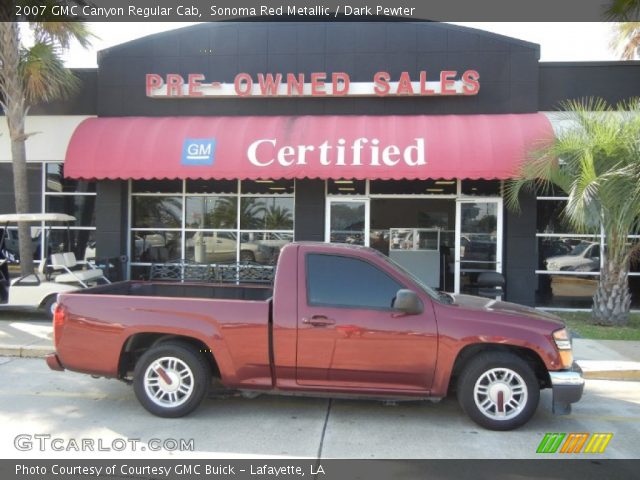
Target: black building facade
{"points": [[459, 224]]}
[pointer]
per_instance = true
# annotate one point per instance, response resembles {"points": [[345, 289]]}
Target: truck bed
{"points": [[232, 320], [182, 290]]}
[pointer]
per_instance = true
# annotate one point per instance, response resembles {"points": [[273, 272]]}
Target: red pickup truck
{"points": [[339, 320]]}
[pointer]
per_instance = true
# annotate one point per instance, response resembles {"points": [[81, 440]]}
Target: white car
{"points": [[213, 247], [584, 257]]}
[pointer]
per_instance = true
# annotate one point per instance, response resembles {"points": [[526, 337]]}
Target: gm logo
{"points": [[198, 151]]}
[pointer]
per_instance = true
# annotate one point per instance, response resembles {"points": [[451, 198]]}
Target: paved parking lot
{"points": [[35, 400]]}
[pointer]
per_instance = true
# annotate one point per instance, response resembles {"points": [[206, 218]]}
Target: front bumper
{"points": [[567, 386]]}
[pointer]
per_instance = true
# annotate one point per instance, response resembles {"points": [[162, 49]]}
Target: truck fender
{"points": [[444, 376], [140, 340]]}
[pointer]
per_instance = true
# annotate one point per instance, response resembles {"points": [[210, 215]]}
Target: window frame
{"points": [[185, 230], [50, 227]]}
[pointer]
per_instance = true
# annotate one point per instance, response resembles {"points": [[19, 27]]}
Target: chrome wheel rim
{"points": [[500, 394], [168, 382]]}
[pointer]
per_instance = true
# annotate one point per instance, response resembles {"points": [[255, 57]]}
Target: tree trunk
{"points": [[15, 110], [612, 300], [21, 192]]}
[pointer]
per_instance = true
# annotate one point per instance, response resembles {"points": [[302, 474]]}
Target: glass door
{"points": [[347, 221], [478, 242]]}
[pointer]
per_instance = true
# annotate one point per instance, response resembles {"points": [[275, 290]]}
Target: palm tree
{"points": [[29, 75], [252, 211], [623, 10], [626, 40], [224, 215], [597, 164], [278, 217], [149, 211]]}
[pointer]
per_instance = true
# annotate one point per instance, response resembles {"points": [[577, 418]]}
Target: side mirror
{"points": [[407, 302]]}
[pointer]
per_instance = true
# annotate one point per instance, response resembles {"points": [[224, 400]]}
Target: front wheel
{"points": [[498, 391], [171, 379], [247, 256]]}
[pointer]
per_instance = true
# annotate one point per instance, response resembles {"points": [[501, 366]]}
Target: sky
{"points": [[558, 41]]}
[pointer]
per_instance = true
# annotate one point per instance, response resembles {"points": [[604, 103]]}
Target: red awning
{"points": [[358, 147]]}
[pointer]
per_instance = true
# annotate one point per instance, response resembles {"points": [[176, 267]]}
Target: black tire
{"points": [[191, 388], [47, 304], [247, 256], [518, 394]]}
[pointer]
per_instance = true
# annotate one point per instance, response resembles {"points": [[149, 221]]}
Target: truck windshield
{"points": [[439, 296], [579, 248]]}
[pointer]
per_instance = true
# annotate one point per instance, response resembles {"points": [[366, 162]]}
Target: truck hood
{"points": [[563, 260], [500, 311]]}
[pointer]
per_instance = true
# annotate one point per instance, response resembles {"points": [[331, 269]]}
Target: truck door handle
{"points": [[319, 321]]}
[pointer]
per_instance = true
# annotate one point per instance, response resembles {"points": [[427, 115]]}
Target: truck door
{"points": [[348, 334]]}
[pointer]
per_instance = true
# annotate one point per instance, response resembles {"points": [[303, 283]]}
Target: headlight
{"points": [[563, 342]]}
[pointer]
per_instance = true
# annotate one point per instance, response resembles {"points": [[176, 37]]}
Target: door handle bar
{"points": [[319, 321]]}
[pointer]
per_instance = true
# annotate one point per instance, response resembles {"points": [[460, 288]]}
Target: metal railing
{"points": [[185, 271]]}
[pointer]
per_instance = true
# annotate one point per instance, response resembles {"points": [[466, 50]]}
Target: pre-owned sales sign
{"points": [[317, 84]]}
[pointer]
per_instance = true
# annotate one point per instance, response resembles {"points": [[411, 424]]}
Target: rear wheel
{"points": [[247, 256], [171, 379], [498, 391]]}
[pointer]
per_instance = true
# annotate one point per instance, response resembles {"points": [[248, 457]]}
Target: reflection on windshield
{"points": [[429, 290], [578, 249]]}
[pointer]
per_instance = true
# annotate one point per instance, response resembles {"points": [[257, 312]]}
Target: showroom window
{"points": [[209, 221], [73, 197], [55, 194], [569, 263], [568, 267], [634, 271]]}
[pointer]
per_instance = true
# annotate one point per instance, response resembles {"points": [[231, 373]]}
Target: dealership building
{"points": [[224, 141]]}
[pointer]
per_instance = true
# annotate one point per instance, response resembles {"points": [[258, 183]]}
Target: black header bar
{"points": [[320, 10], [315, 469]]}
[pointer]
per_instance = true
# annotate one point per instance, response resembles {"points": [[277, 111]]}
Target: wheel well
{"points": [[139, 343], [46, 299], [470, 351]]}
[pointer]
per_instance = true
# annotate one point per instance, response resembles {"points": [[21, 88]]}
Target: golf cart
{"points": [[62, 273]]}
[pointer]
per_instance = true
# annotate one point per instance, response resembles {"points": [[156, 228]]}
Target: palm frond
{"points": [[63, 33], [596, 162], [625, 39], [622, 10], [44, 74]]}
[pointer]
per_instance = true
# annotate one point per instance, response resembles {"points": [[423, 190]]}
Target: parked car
{"points": [[12, 246], [583, 257], [214, 247], [372, 330]]}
